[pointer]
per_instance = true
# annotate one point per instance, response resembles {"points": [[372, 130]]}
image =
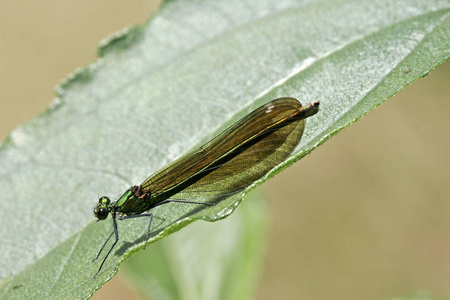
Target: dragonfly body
{"points": [[226, 165]]}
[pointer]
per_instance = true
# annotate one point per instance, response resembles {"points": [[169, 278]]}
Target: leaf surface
{"points": [[163, 88]]}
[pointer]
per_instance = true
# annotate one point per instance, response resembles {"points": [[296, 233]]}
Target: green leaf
{"points": [[165, 87], [422, 295], [205, 261]]}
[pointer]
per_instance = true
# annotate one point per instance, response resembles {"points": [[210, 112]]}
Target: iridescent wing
{"points": [[236, 158]]}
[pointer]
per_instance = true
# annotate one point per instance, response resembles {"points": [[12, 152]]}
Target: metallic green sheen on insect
{"points": [[224, 166]]}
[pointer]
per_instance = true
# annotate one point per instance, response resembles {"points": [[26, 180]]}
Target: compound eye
{"points": [[101, 213], [104, 200]]}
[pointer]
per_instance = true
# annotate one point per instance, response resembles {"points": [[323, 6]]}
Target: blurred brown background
{"points": [[370, 217]]}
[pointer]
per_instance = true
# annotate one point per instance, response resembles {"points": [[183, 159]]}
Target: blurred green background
{"points": [[365, 216]]}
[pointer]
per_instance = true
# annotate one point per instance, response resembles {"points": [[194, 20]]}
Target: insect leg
{"points": [[139, 216], [104, 244], [116, 232]]}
